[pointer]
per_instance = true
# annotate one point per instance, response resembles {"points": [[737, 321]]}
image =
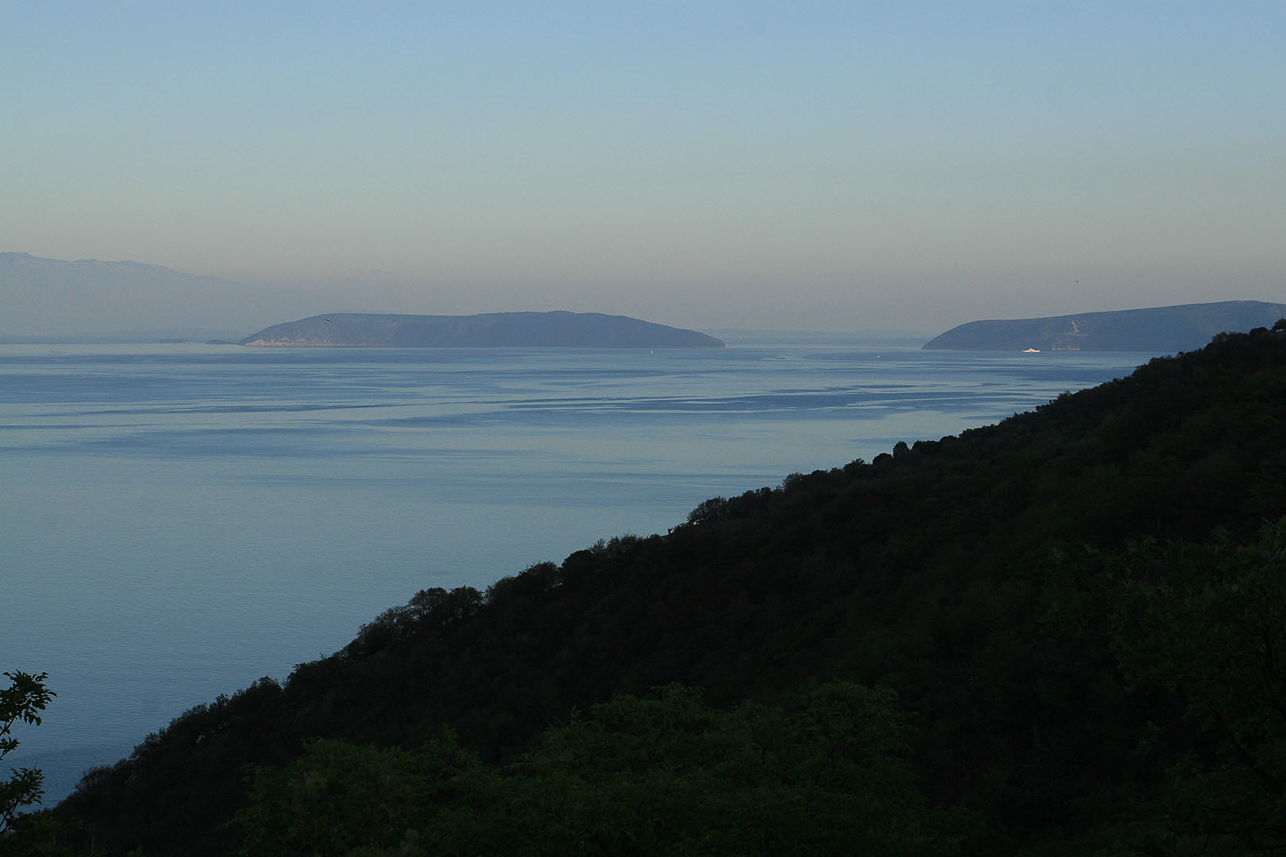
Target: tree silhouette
{"points": [[22, 701]]}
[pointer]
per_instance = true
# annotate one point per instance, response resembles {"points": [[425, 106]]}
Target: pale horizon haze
{"points": [[812, 166]]}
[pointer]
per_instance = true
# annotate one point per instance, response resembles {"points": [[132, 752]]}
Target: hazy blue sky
{"points": [[804, 165]]}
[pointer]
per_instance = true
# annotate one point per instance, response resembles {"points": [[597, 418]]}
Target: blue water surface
{"points": [[179, 520]]}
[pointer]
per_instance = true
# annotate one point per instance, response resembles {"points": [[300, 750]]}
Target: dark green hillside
{"points": [[1004, 601]]}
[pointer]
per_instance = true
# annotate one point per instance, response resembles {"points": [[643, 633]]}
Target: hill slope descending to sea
{"points": [[1157, 330], [1067, 621], [509, 329]]}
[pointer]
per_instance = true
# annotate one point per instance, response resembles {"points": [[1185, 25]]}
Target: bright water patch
{"points": [[180, 520]]}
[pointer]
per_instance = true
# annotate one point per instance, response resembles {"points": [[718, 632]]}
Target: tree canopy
{"points": [[20, 702]]}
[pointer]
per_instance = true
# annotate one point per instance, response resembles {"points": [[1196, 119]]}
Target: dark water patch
{"points": [[279, 442], [224, 408], [790, 403]]}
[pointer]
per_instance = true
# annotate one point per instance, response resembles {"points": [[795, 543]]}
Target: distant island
{"points": [[1157, 330], [559, 329]]}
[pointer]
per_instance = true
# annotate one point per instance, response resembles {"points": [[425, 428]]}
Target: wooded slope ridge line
{"points": [[1157, 330], [1055, 635], [497, 329]]}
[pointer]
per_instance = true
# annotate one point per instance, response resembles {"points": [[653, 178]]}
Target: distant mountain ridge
{"points": [[42, 297], [496, 329], [89, 300], [1158, 329]]}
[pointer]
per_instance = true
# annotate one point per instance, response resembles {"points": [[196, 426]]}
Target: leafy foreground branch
{"points": [[21, 702], [667, 775]]}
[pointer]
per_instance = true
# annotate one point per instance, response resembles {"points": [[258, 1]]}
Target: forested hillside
{"points": [[1056, 635]]}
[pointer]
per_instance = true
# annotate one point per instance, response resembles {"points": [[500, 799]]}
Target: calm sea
{"points": [[179, 520]]}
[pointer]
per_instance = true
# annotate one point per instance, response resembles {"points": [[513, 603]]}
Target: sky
{"points": [[815, 166]]}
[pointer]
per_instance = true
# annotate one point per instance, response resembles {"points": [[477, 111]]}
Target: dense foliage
{"points": [[20, 702], [1075, 617], [1205, 625], [661, 776]]}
